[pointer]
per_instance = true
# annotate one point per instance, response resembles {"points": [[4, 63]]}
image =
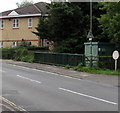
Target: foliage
{"points": [[20, 52], [28, 58], [42, 28], [110, 22], [68, 66], [36, 48], [68, 25], [7, 53], [24, 3], [96, 70], [24, 44]]}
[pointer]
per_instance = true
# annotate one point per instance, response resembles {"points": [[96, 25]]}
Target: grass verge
{"points": [[94, 70]]}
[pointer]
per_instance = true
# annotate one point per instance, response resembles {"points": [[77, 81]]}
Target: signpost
{"points": [[115, 56]]}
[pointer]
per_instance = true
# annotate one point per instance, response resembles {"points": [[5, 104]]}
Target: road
{"points": [[37, 90]]}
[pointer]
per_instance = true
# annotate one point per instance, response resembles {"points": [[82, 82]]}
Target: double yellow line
{"points": [[2, 99]]}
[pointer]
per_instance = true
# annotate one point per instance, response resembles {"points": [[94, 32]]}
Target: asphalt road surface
{"points": [[37, 90]]}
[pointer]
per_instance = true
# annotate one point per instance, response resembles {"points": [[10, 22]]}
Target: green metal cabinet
{"points": [[98, 49]]}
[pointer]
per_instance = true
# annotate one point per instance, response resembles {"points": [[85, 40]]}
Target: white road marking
{"points": [[2, 71], [12, 104], [29, 79], [63, 75], [48, 72], [3, 105], [92, 97]]}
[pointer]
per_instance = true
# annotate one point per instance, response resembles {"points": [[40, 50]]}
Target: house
{"points": [[17, 25]]}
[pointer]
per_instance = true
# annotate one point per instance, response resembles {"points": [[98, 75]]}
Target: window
{"points": [[1, 24], [14, 44], [15, 23], [1, 44], [30, 22]]}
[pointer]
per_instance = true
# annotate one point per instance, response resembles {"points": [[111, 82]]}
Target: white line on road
{"points": [[3, 105], [53, 73], [92, 97], [29, 79], [12, 104], [2, 71]]}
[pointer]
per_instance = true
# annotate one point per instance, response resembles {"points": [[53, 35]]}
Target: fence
{"points": [[66, 59], [59, 58], [106, 62], [6, 54]]}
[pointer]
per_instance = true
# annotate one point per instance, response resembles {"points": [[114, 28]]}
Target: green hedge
{"points": [[35, 48], [18, 53], [7, 53]]}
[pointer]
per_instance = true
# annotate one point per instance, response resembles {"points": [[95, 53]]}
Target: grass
{"points": [[94, 70]]}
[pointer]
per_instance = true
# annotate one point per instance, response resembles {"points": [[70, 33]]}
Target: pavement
{"points": [[99, 78]]}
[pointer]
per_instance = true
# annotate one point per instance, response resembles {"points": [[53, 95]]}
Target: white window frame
{"points": [[15, 23], [30, 22], [1, 24], [14, 44], [1, 44]]}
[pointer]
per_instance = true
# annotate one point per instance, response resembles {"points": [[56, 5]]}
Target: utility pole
{"points": [[90, 35]]}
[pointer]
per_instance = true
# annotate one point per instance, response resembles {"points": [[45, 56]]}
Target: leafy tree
{"points": [[24, 3], [110, 22], [68, 25]]}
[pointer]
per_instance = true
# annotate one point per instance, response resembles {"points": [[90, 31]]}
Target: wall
{"points": [[10, 35]]}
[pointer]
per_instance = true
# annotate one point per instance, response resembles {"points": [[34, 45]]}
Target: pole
{"points": [[91, 32], [91, 15], [115, 64], [91, 53]]}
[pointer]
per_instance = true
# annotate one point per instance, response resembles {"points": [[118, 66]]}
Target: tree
{"points": [[24, 3], [68, 25], [110, 22]]}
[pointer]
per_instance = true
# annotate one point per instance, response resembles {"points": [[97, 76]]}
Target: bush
{"points": [[34, 48], [7, 53], [17, 53], [68, 66], [20, 52], [78, 67], [28, 58], [24, 44]]}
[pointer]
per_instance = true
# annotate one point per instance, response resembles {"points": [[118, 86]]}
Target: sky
{"points": [[11, 4]]}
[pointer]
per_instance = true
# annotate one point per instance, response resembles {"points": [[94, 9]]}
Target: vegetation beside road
{"points": [[21, 53], [95, 70], [26, 54]]}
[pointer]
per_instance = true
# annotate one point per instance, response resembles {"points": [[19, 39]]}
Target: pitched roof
{"points": [[38, 8]]}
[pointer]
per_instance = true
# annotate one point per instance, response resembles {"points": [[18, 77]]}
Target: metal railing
{"points": [[106, 62], [59, 58]]}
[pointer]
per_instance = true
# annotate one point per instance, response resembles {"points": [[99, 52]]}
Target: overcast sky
{"points": [[11, 4]]}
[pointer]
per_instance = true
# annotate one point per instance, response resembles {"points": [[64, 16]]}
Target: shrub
{"points": [[34, 48], [20, 52], [24, 44], [68, 66], [28, 58], [7, 53], [78, 67]]}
